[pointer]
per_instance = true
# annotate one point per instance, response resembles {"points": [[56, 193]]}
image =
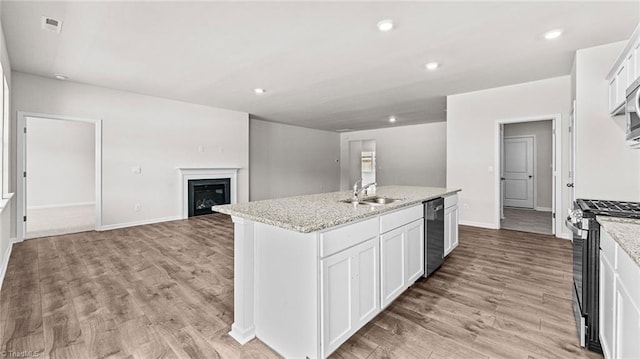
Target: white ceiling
{"points": [[324, 64]]}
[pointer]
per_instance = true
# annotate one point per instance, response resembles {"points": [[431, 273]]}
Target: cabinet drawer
{"points": [[335, 240], [608, 247], [450, 201], [400, 218], [629, 274]]}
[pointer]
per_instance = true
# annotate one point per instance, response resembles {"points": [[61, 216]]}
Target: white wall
{"points": [[405, 155], [471, 126], [542, 130], [606, 168], [159, 135], [289, 160], [60, 162]]}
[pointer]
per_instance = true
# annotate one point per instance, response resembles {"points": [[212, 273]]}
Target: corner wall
{"points": [[606, 168], [290, 160], [7, 206], [159, 135], [471, 126], [405, 155]]}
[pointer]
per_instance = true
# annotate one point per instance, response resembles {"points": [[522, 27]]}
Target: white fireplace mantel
{"points": [[187, 174]]}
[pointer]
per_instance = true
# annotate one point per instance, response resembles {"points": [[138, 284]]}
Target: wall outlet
{"points": [[200, 148], [137, 207], [136, 170]]}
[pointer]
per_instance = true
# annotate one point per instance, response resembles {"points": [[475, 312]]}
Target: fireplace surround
{"points": [[212, 177]]}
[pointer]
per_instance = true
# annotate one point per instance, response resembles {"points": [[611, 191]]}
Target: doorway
{"points": [[528, 174], [362, 161], [59, 181]]}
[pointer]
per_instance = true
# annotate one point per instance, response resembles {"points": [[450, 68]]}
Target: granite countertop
{"points": [[316, 212], [625, 231]]}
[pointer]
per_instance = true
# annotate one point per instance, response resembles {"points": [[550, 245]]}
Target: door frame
{"points": [[534, 164], [21, 165], [556, 126]]}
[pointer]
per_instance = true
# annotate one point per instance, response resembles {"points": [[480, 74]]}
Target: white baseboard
{"points": [[564, 235], [63, 205], [544, 209], [478, 224], [5, 260], [138, 223]]}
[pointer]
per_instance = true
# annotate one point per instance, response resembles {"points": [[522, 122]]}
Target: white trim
{"points": [[21, 226], [187, 174], [556, 120], [63, 205], [5, 260], [108, 227], [478, 224], [5, 201], [544, 209]]}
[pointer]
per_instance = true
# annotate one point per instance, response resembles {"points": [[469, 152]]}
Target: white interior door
{"points": [[518, 164]]}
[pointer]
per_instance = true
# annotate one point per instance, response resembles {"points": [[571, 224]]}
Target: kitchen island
{"points": [[309, 271]]}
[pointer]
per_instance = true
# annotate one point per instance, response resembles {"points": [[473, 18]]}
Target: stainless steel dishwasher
{"points": [[433, 235]]}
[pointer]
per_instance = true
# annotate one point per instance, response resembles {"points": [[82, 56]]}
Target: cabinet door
{"points": [[415, 250], [621, 80], [392, 264], [613, 96], [627, 324], [447, 230], [367, 295], [350, 292], [607, 309], [636, 60], [337, 292], [454, 227]]}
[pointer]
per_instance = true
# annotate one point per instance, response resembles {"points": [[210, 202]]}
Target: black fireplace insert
{"points": [[204, 193]]}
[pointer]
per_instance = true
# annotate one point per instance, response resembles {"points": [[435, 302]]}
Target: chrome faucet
{"points": [[357, 192]]}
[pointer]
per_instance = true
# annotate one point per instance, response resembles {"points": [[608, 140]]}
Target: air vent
{"points": [[51, 24]]}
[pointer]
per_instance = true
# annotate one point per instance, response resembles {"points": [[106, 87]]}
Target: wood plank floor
{"points": [[165, 291]]}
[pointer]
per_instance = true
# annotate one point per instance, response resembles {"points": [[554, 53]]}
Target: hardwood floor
{"points": [[527, 220], [165, 291]]}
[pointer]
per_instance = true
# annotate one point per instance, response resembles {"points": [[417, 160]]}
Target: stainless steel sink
{"points": [[372, 201], [379, 200]]}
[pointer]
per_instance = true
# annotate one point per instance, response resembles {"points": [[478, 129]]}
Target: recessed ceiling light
{"points": [[60, 77], [385, 25], [259, 91], [553, 34], [432, 66], [392, 119]]}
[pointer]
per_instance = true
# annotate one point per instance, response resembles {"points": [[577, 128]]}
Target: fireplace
{"points": [[204, 193], [207, 185]]}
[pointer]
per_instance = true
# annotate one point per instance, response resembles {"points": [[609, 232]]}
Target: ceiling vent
{"points": [[51, 24]]}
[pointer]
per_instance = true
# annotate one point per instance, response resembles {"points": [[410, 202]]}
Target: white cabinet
{"points": [[607, 297], [401, 251], [415, 250], [393, 249], [624, 72], [349, 292], [619, 301], [451, 216]]}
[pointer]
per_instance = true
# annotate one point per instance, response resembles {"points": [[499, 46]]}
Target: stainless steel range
{"points": [[586, 251]]}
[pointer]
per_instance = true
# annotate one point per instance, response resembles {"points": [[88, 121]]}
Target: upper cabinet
{"points": [[625, 71]]}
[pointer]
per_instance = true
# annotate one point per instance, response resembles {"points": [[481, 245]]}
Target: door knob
{"points": [[530, 176], [570, 185]]}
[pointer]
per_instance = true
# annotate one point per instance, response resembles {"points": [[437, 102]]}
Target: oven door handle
{"points": [[581, 233]]}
